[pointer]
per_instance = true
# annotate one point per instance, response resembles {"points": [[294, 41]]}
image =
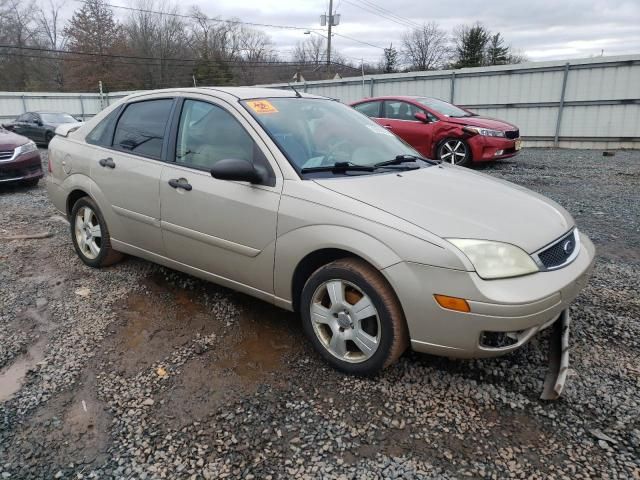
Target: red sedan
{"points": [[19, 159], [438, 129]]}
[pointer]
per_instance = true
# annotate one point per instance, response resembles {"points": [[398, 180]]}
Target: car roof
{"points": [[241, 93], [411, 98]]}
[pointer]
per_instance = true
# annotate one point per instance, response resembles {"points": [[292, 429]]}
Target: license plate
{"points": [[518, 144]]}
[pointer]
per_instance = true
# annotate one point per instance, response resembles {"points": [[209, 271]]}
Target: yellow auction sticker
{"points": [[262, 106]]}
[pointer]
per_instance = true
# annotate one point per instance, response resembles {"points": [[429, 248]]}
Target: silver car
{"points": [[307, 204]]}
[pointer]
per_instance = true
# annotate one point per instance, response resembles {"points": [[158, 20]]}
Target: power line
{"points": [[148, 61], [390, 13], [366, 8], [239, 22], [194, 17]]}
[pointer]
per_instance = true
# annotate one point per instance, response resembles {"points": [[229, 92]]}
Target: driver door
{"points": [[225, 228], [399, 118]]}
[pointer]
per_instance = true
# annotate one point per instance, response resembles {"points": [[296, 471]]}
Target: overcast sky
{"points": [[541, 29]]}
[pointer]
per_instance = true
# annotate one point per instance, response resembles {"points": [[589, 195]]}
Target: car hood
{"points": [[485, 122], [454, 202], [10, 140]]}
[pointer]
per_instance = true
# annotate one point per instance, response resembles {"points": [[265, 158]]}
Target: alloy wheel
{"points": [[88, 233], [345, 321], [453, 151]]}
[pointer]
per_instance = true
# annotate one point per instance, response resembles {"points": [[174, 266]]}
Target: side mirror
{"points": [[38, 122], [238, 170], [422, 117]]}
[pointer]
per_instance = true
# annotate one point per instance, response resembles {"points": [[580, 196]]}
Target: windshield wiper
{"points": [[400, 159], [339, 167]]}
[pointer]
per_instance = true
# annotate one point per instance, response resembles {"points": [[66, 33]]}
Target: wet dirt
{"points": [[251, 349], [13, 376]]}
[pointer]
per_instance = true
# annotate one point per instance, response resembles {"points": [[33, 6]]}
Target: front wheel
{"points": [[353, 318], [455, 152], [90, 235], [48, 137]]}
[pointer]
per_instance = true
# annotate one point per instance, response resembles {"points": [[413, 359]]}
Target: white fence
{"points": [[591, 103]]}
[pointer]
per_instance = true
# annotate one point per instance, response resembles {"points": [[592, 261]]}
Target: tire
{"points": [[450, 149], [47, 137], [356, 344], [86, 223]]}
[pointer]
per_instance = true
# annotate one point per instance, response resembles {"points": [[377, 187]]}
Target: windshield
{"points": [[320, 132], [57, 118], [443, 108]]}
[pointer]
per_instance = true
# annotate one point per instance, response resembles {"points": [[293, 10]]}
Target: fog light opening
{"points": [[499, 152], [452, 303], [499, 339]]}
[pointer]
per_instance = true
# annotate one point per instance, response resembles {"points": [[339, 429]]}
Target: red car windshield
{"points": [[443, 108]]}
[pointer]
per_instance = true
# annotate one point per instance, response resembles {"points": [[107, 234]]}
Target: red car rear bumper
{"points": [[25, 167], [484, 149]]}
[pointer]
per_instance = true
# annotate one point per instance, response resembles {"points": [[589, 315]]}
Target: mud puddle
{"points": [[13, 377]]}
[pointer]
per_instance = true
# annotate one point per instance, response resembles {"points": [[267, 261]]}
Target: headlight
{"points": [[495, 259], [26, 148], [483, 131]]}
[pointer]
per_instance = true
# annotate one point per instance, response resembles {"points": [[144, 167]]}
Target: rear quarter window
{"points": [[102, 133]]}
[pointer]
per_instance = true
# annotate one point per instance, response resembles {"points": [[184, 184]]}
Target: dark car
{"points": [[39, 126], [438, 129], [19, 159]]}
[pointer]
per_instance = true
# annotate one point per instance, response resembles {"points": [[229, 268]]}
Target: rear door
{"points": [[399, 117], [127, 172], [226, 228]]}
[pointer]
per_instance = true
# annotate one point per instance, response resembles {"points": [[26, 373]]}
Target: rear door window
{"points": [[141, 128], [370, 109]]}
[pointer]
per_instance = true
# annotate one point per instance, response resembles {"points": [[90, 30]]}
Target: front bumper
{"points": [[516, 308], [485, 149], [24, 168]]}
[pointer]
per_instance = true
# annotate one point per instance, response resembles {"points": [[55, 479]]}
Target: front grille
{"points": [[6, 154], [560, 252], [511, 134]]}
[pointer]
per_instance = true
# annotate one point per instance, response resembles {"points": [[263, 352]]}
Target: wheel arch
{"points": [[299, 254]]}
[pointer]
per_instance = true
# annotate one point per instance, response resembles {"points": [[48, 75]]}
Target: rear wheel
{"points": [[455, 152], [353, 318], [90, 235]]}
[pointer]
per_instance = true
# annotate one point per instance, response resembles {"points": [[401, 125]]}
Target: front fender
{"points": [[295, 245]]}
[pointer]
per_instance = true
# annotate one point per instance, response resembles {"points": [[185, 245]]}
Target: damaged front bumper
{"points": [[558, 358]]}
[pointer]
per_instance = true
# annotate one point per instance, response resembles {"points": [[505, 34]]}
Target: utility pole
{"points": [[330, 24]]}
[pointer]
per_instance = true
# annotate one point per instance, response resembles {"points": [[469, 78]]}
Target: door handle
{"points": [[107, 162], [388, 127], [180, 183]]}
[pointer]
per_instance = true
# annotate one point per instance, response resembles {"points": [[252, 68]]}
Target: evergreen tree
{"points": [[471, 45], [497, 53], [93, 29], [390, 60]]}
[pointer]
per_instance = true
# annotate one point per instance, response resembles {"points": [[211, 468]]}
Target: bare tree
{"points": [[426, 47], [157, 32], [18, 29], [52, 35], [312, 50]]}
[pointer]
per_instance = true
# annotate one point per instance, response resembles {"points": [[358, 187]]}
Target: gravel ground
{"points": [[137, 371]]}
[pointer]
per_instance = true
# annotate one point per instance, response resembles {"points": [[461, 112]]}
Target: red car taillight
{"points": [[49, 162]]}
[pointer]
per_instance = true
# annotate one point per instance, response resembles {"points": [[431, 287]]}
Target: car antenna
{"points": [[294, 89]]}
